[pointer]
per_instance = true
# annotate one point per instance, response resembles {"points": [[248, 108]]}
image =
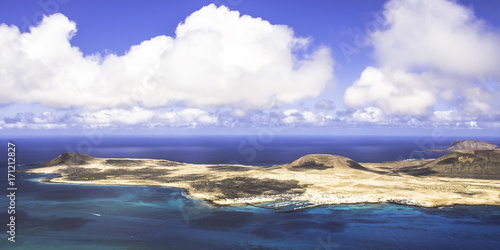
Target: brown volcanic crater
{"points": [[325, 161], [320, 162]]}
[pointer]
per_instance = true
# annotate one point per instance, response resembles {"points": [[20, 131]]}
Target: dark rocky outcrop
{"points": [[248, 187]]}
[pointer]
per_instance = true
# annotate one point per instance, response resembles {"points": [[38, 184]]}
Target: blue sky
{"points": [[240, 65]]}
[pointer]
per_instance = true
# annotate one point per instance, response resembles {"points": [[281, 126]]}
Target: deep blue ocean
{"points": [[54, 216]]}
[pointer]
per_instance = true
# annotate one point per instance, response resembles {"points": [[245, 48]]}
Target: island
{"points": [[470, 145], [462, 176]]}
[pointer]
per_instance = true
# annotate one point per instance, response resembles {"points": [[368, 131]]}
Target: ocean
{"points": [[55, 216]]}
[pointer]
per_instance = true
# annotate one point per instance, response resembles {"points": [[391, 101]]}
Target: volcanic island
{"points": [[469, 174]]}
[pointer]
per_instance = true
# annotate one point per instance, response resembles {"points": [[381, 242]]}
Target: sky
{"points": [[232, 66]]}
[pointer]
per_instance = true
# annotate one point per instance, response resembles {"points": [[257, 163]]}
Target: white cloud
{"points": [[473, 124], [437, 35], [217, 58], [187, 117], [109, 117], [112, 118], [29, 120], [446, 116], [310, 117], [394, 92], [370, 114], [294, 116], [480, 103], [22, 125], [428, 51], [46, 117]]}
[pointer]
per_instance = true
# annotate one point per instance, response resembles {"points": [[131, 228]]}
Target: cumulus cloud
{"points": [[370, 114], [29, 120], [106, 117], [429, 52], [394, 92], [294, 116], [446, 116], [188, 117], [218, 57], [112, 118], [436, 35]]}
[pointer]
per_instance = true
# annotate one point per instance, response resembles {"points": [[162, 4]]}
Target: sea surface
{"points": [[56, 216]]}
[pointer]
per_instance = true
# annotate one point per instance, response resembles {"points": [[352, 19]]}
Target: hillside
{"points": [[321, 162], [467, 145], [69, 158], [483, 164], [325, 161]]}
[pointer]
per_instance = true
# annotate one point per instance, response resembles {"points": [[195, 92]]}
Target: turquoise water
{"points": [[54, 216]]}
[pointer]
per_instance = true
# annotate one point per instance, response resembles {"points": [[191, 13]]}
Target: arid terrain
{"points": [[459, 177]]}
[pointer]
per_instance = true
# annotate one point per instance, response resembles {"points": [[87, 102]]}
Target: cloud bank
{"points": [[217, 58], [436, 66], [430, 55]]}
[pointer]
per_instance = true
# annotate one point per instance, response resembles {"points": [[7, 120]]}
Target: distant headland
{"points": [[468, 174], [467, 145]]}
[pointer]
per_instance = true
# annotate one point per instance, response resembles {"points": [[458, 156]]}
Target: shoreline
{"points": [[257, 204], [258, 200], [310, 181]]}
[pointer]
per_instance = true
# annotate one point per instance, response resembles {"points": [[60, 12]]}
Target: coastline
{"points": [[330, 200], [255, 201], [228, 185]]}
